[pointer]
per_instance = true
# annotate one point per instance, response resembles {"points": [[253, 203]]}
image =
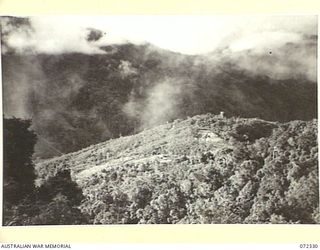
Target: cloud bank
{"points": [[184, 34], [272, 44], [51, 76]]}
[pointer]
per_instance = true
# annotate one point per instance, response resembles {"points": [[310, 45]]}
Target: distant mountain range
{"points": [[76, 100]]}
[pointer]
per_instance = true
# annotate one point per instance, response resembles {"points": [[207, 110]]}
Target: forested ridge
{"points": [[205, 169], [75, 100], [105, 130]]}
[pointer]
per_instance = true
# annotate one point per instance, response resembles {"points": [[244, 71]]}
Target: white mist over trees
{"points": [[126, 107], [84, 92]]}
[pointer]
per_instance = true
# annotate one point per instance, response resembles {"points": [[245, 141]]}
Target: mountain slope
{"points": [[76, 100], [205, 169]]}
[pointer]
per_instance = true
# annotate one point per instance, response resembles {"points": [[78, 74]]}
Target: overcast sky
{"points": [[185, 34]]}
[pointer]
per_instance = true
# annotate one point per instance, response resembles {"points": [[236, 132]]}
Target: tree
{"points": [[18, 170]]}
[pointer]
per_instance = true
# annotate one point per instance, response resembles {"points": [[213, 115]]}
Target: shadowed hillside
{"points": [[113, 119], [75, 100]]}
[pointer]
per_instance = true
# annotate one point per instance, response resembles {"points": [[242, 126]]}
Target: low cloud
{"points": [[294, 57], [160, 105], [50, 36], [281, 47], [184, 34]]}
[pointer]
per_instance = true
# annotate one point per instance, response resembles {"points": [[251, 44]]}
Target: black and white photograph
{"points": [[159, 119]]}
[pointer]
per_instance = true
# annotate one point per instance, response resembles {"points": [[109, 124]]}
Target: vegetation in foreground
{"points": [[205, 169]]}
